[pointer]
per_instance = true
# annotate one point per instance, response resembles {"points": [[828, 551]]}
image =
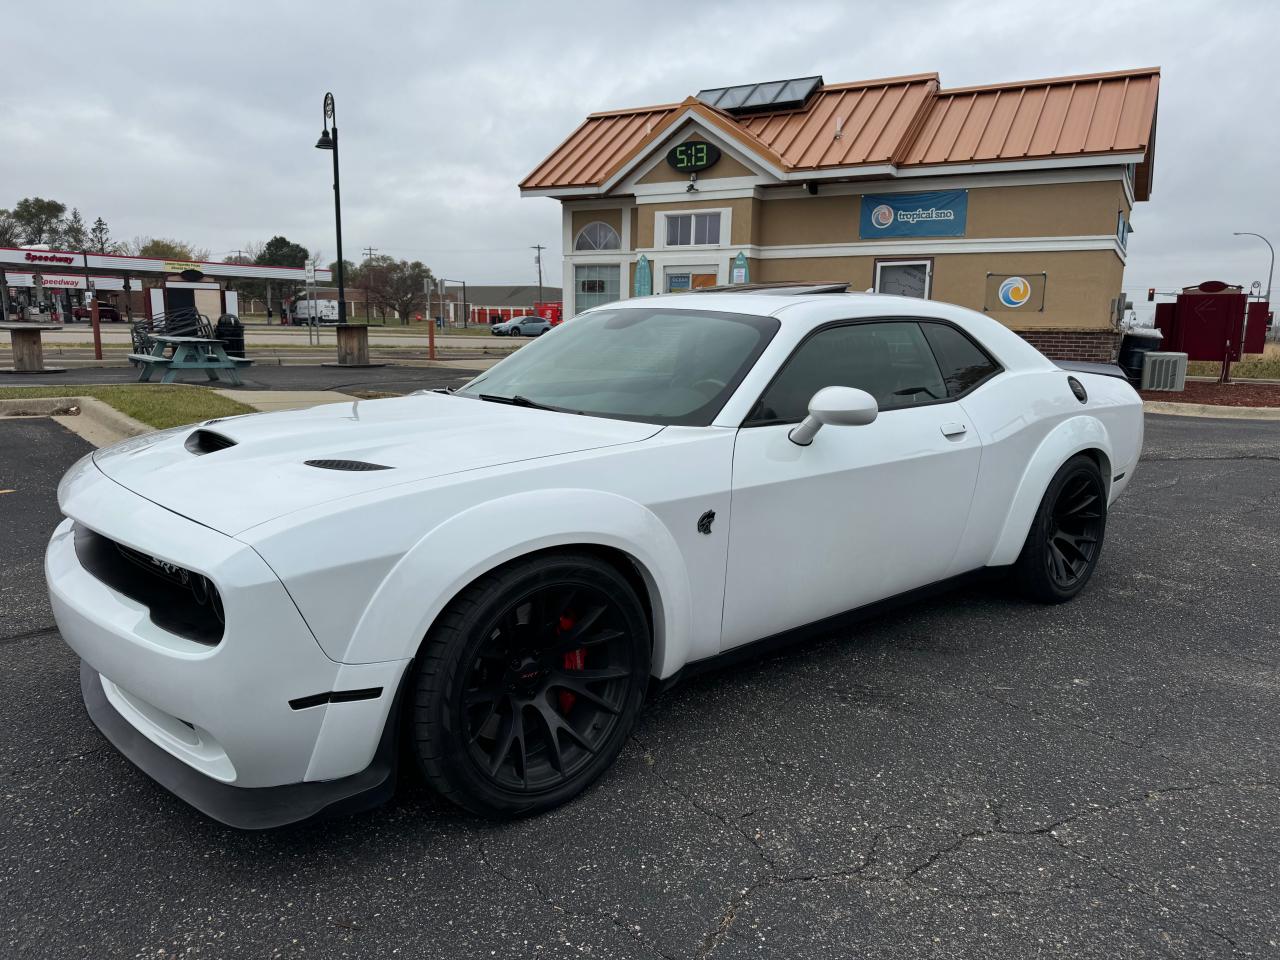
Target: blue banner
{"points": [[644, 277], [940, 213]]}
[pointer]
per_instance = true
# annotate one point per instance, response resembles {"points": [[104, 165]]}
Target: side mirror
{"points": [[838, 406]]}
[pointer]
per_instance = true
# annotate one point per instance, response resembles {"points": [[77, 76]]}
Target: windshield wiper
{"points": [[518, 401]]}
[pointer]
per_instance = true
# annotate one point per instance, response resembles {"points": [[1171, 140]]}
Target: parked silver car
{"points": [[526, 326]]}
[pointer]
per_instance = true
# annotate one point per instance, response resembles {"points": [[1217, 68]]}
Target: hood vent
{"points": [[355, 465], [207, 441]]}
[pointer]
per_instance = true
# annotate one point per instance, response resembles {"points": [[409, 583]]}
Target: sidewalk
{"points": [[271, 400]]}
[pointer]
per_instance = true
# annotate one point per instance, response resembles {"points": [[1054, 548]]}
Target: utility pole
{"points": [[368, 255], [538, 259]]}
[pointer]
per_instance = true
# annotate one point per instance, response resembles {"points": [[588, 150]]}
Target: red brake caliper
{"points": [[573, 660]]}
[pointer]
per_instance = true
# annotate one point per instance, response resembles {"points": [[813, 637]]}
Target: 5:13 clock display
{"points": [[693, 156]]}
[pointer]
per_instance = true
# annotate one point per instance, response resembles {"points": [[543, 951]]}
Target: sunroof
{"points": [[755, 97]]}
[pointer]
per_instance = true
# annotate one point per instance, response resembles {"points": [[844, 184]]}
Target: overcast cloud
{"points": [[199, 122]]}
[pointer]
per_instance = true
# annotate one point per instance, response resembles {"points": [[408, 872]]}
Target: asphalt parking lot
{"points": [[972, 777]]}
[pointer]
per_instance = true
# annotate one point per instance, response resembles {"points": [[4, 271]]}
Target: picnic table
{"points": [[28, 354], [188, 353]]}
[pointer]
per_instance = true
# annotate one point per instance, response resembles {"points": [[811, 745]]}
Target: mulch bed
{"points": [[1239, 394]]}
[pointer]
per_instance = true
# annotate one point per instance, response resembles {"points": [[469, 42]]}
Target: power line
{"points": [[369, 252]]}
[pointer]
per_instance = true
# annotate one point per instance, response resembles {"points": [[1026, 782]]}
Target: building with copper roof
{"points": [[1013, 198]]}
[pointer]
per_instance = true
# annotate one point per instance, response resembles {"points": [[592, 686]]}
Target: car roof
{"points": [[806, 309]]}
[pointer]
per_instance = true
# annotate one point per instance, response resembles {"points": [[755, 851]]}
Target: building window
{"points": [[905, 278], [594, 284], [597, 235], [1123, 230], [693, 229]]}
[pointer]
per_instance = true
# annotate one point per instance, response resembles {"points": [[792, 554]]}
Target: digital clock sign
{"points": [[693, 156]]}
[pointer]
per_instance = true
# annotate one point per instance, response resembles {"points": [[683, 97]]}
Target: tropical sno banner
{"points": [[939, 213]]}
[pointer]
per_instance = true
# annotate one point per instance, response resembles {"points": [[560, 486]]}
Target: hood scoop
{"points": [[353, 465], [207, 441]]}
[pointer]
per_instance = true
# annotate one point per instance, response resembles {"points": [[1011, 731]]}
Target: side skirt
{"points": [[821, 628]]}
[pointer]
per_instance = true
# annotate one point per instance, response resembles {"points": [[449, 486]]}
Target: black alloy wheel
{"points": [[530, 684], [1065, 540], [1076, 529]]}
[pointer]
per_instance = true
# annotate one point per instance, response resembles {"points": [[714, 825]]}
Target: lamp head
{"points": [[325, 142]]}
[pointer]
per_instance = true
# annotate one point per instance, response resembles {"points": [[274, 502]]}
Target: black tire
{"points": [[506, 722], [1065, 539]]}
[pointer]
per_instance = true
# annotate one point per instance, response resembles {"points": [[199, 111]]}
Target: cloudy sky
{"points": [[199, 122]]}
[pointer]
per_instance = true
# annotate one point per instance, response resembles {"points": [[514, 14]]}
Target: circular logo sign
{"points": [[1014, 292], [882, 216]]}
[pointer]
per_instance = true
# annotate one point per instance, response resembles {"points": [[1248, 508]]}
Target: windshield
{"points": [[665, 366]]}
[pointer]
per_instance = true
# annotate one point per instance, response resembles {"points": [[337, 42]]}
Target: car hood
{"points": [[235, 473]]}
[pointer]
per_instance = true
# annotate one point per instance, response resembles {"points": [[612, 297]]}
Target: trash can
{"points": [[1134, 346], [230, 331]]}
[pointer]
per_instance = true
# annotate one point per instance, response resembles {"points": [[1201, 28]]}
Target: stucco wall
{"points": [[1040, 210], [1078, 291]]}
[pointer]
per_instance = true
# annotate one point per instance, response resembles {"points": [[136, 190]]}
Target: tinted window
{"points": [[891, 361], [653, 364], [963, 363]]}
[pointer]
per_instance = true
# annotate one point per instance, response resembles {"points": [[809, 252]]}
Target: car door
{"points": [[864, 512]]}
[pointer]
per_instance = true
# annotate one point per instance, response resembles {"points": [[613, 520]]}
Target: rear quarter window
{"points": [[963, 363]]}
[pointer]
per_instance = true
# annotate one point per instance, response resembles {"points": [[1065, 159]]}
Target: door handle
{"points": [[954, 429]]}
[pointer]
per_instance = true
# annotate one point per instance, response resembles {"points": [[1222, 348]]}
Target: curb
{"points": [[1210, 410], [98, 422]]}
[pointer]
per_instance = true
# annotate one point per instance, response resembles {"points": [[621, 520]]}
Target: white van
{"points": [[324, 311]]}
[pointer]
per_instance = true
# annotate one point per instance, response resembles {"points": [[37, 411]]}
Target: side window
{"points": [[964, 364], [891, 360]]}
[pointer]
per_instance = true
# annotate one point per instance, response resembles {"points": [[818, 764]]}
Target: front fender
{"points": [[1063, 442], [470, 543]]}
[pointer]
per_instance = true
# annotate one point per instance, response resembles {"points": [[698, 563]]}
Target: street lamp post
{"points": [[353, 338], [1272, 269], [330, 142]]}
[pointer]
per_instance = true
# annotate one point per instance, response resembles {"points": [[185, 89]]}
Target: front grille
{"points": [[178, 600]]}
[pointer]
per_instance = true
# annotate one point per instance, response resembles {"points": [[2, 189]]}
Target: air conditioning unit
{"points": [[1164, 371]]}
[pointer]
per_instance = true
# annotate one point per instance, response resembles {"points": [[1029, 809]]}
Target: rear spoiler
{"points": [[1084, 366]]}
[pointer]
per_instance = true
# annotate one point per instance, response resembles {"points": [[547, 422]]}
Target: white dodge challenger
{"points": [[271, 610]]}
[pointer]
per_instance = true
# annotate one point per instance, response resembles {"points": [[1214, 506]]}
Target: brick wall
{"points": [[1099, 346]]}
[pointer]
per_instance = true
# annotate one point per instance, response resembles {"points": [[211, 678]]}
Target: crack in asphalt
{"points": [[104, 750], [1031, 711], [1131, 884], [1051, 832], [28, 634], [717, 935], [555, 904], [651, 765], [771, 877]]}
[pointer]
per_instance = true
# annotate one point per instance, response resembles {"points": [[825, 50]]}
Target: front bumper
{"points": [[245, 808], [215, 722]]}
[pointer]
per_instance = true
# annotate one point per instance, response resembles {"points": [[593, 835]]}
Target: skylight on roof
{"points": [[759, 97]]}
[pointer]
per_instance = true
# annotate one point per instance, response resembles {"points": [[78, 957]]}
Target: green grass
{"points": [[1266, 367], [157, 405]]}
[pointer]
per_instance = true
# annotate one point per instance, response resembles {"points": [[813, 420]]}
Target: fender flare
{"points": [[1074, 435], [469, 544]]}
